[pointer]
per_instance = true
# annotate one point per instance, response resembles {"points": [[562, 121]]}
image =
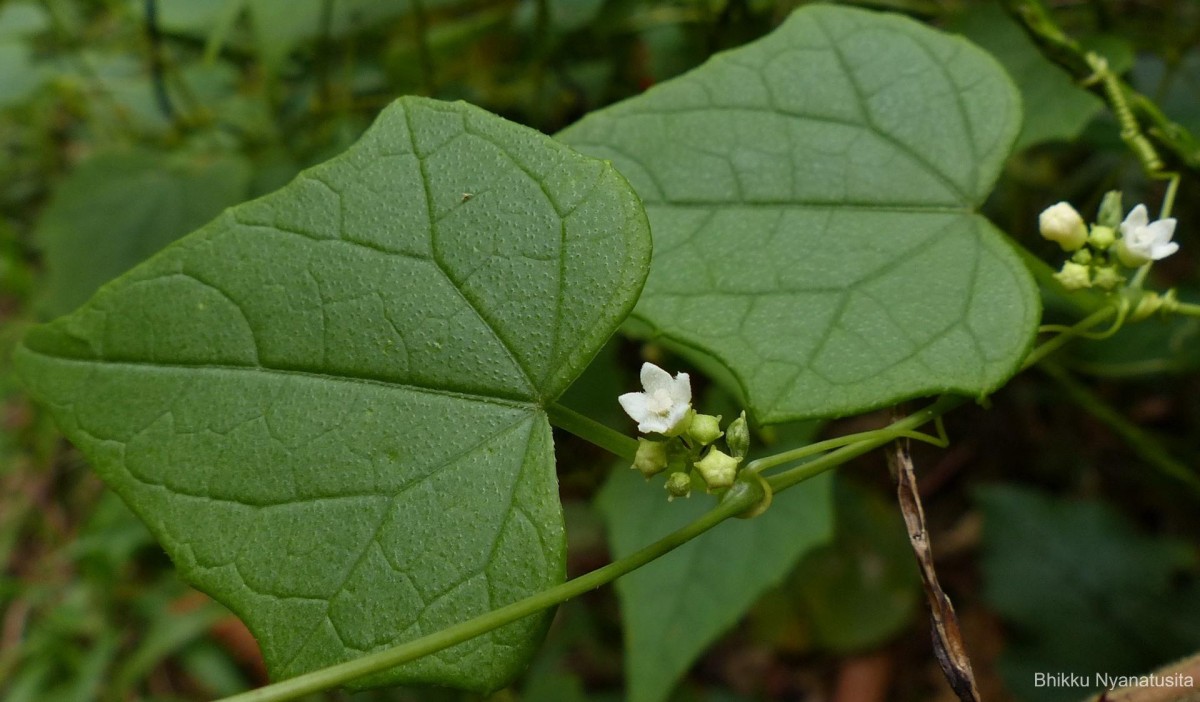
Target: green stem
{"points": [[1186, 308], [1059, 341], [736, 501], [1139, 278], [804, 471], [1169, 197], [1142, 443], [589, 429], [888, 433]]}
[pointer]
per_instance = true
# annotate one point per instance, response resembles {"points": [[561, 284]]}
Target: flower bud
{"points": [[1074, 276], [1062, 224], [1111, 210], [1102, 237], [1082, 257], [705, 429], [651, 457], [737, 436], [1107, 278], [718, 469], [679, 484]]}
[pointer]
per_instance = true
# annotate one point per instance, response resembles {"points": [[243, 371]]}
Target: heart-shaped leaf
{"points": [[328, 403], [811, 196]]}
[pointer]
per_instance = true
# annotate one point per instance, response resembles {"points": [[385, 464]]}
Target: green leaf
{"points": [[327, 404], [20, 74], [1173, 83], [19, 19], [130, 98], [812, 200], [1057, 108], [120, 207], [1082, 592], [282, 25], [673, 608], [191, 17]]}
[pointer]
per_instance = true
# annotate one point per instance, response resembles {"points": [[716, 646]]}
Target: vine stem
{"points": [[1189, 309], [590, 430], [744, 496], [900, 428], [1059, 341], [1168, 202], [887, 433]]}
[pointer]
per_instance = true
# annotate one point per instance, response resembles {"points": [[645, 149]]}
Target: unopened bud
{"points": [[651, 457], [718, 469], [1102, 237], [1111, 211], [705, 429], [737, 436], [679, 484], [1074, 276], [1107, 278], [1062, 224]]}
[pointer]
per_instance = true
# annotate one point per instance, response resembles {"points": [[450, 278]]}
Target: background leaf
{"points": [[327, 403], [1041, 83], [1082, 591], [282, 25], [811, 196], [119, 207], [862, 588], [1152, 347], [673, 608]]}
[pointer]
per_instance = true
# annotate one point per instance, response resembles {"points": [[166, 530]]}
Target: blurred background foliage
{"points": [[1064, 517]]}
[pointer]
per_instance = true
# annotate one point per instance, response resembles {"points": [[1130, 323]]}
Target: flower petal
{"points": [[636, 405], [681, 389], [677, 415], [1161, 251], [1137, 217], [655, 379], [1160, 232], [657, 425]]}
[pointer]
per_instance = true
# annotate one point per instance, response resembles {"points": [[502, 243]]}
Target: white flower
{"points": [[1061, 223], [1143, 241], [665, 404]]}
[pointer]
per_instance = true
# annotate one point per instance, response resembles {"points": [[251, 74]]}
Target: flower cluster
{"points": [[1097, 252], [682, 441]]}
